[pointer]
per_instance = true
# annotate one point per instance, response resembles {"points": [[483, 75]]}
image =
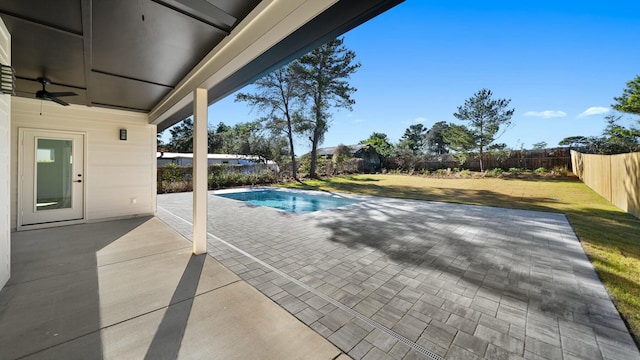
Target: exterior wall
{"points": [[5, 135], [120, 180]]}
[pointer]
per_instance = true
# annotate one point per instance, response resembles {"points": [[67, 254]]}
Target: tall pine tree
{"points": [[485, 116], [278, 96], [323, 75]]}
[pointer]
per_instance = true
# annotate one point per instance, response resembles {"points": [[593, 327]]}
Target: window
{"points": [[46, 155]]}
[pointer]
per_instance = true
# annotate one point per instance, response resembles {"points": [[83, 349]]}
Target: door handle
{"points": [[77, 181]]}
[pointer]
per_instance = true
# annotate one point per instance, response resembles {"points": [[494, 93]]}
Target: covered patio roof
{"points": [[149, 55]]}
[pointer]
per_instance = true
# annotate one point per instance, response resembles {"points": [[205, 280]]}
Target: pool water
{"points": [[289, 201]]}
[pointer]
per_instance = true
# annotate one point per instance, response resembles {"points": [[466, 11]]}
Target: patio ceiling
{"points": [[148, 55]]}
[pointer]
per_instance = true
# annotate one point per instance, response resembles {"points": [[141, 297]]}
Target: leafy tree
{"points": [[415, 138], [323, 76], [435, 140], [278, 95], [485, 116], [540, 145], [629, 101], [461, 140], [404, 156], [181, 137], [220, 139], [380, 142], [160, 145], [617, 138], [574, 141], [497, 147], [588, 144], [341, 154]]}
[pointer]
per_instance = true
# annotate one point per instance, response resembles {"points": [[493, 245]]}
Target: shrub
{"points": [[540, 170], [560, 171], [497, 172], [173, 178], [515, 170]]}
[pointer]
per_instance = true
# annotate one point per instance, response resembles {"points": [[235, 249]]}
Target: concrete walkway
{"points": [[398, 279], [131, 289]]}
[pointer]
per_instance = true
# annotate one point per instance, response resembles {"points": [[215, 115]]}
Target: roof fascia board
{"points": [[269, 23]]}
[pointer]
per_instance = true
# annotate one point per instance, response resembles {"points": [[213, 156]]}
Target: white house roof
{"points": [[169, 155]]}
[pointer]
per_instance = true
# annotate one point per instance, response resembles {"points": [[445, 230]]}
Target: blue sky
{"points": [[560, 62]]}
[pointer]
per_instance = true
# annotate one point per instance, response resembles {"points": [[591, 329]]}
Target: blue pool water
{"points": [[289, 201]]}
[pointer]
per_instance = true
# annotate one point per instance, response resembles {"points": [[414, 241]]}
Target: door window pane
{"points": [[53, 174]]}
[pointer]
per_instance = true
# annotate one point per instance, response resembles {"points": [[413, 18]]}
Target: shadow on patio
{"points": [[132, 289]]}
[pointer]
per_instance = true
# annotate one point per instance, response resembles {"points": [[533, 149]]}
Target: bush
{"points": [[515, 170], [497, 172], [560, 171], [173, 178], [442, 172], [540, 170]]}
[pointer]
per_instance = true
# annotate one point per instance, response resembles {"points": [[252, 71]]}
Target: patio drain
{"points": [[417, 347]]}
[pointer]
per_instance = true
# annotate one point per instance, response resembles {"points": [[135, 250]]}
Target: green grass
{"points": [[609, 236]]}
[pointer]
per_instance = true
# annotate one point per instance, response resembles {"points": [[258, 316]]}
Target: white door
{"points": [[52, 176]]}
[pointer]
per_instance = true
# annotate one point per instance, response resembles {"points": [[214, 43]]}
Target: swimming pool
{"points": [[289, 201]]}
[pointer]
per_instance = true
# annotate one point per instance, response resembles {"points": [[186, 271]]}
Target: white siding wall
{"points": [[5, 131], [117, 171]]}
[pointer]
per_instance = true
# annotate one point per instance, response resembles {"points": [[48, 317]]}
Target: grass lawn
{"points": [[609, 236]]}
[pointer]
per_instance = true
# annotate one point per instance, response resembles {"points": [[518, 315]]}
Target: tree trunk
{"points": [[481, 165], [314, 150], [319, 126], [294, 167]]}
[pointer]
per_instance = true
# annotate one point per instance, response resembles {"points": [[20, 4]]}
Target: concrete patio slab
{"points": [[128, 296], [391, 278]]}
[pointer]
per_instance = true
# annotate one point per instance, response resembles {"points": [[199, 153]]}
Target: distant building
{"points": [[361, 151], [327, 152], [183, 159]]}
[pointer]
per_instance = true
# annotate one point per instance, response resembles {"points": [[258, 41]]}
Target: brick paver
{"points": [[462, 281]]}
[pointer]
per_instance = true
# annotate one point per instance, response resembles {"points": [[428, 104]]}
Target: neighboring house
{"points": [[361, 151], [183, 159], [130, 69], [246, 162], [328, 152]]}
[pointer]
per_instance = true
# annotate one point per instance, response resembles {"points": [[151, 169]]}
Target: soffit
{"points": [[120, 54], [139, 54]]}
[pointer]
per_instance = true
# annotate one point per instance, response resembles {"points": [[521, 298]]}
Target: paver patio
{"points": [[400, 279]]}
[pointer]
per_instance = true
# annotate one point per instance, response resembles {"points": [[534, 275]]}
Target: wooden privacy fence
{"points": [[505, 160], [614, 177], [523, 159]]}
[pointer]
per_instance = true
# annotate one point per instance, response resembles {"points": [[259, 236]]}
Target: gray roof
{"points": [[326, 151]]}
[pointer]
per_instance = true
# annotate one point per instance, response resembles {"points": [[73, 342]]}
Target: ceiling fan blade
{"points": [[56, 100], [60, 94]]}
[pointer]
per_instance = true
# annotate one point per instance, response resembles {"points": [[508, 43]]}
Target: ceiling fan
{"points": [[52, 96]]}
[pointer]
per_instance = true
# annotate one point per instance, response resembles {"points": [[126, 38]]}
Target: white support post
{"points": [[200, 166]]}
